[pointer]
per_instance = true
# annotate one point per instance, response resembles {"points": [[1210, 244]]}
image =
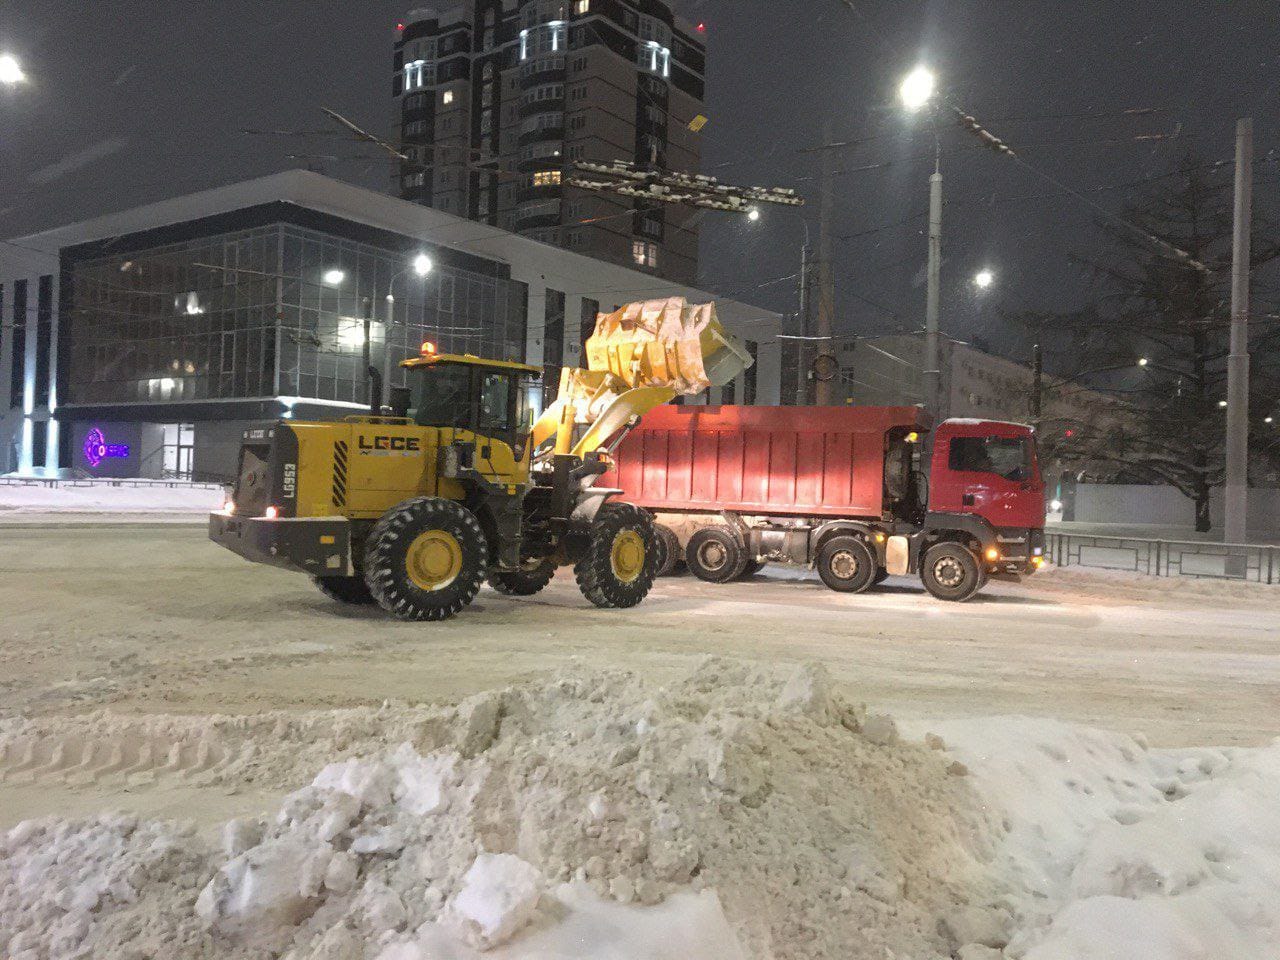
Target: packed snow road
{"points": [[158, 620]]}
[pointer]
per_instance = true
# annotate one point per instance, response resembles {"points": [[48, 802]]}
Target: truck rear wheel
{"points": [[951, 572], [716, 555], [426, 559], [846, 564], [345, 589], [669, 552], [525, 582], [751, 569], [618, 569]]}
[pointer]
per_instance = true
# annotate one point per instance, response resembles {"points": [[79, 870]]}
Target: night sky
{"points": [[133, 102]]}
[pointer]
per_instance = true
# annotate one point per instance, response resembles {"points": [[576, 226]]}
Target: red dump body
{"points": [[777, 461]]}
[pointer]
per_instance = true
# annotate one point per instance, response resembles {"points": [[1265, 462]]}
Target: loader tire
{"points": [[846, 564], [345, 589], [751, 569], [620, 564], [950, 571], [524, 582], [716, 555], [669, 549], [425, 559]]}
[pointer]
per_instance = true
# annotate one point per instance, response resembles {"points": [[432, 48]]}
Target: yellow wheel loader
{"points": [[415, 507]]}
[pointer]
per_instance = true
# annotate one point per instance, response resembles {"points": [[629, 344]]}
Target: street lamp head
{"points": [[1143, 361], [422, 264], [11, 70], [984, 279], [334, 277], [918, 88], [1222, 403], [753, 214]]}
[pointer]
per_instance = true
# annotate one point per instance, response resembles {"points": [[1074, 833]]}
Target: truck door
{"points": [[992, 473]]}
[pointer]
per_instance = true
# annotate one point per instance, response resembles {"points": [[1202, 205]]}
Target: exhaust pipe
{"points": [[375, 391]]}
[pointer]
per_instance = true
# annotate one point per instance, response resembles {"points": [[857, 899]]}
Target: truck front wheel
{"points": [[622, 559], [950, 571], [426, 559], [846, 564], [716, 555]]}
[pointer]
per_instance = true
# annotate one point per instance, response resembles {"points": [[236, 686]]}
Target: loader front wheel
{"points": [[426, 559], [352, 590], [621, 561], [525, 582]]}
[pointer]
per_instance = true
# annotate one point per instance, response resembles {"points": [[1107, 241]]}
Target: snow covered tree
{"points": [[1156, 337]]}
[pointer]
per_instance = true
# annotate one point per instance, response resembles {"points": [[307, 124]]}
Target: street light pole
{"points": [[1237, 453], [932, 362], [421, 266]]}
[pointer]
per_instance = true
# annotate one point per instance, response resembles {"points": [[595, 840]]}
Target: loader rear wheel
{"points": [[425, 559], [716, 555], [951, 572], [846, 564], [669, 549], [345, 589], [751, 569], [525, 582], [621, 561]]}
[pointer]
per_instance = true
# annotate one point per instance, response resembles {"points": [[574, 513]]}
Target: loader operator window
{"points": [[1010, 457], [496, 408], [444, 397]]}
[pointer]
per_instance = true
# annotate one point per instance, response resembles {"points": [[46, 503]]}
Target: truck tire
{"points": [[716, 555], [345, 589], [621, 561], [751, 569], [425, 559], [846, 564], [669, 549], [950, 571], [530, 579]]}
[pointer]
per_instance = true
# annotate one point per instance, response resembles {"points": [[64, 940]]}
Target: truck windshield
{"points": [[1009, 457]]}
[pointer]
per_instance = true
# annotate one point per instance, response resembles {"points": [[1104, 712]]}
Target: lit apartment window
{"points": [[447, 98], [524, 44], [546, 178], [655, 58], [582, 6], [645, 254]]}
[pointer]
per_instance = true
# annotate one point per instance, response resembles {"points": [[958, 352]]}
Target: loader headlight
{"points": [[993, 554], [272, 512], [229, 507]]}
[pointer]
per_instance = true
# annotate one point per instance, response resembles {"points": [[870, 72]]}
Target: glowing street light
{"points": [[753, 214], [422, 264], [1222, 403], [1143, 361], [334, 277], [918, 88], [984, 279], [10, 70]]}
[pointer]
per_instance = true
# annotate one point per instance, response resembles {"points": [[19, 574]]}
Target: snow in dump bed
{"points": [[100, 498], [727, 816]]}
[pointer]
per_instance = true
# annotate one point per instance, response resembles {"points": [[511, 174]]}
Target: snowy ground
{"points": [[1098, 842], [67, 502]]}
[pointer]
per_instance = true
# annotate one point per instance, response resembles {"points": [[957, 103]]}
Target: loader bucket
{"points": [[666, 343]]}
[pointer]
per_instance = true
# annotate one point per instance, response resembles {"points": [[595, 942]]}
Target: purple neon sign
{"points": [[96, 448]]}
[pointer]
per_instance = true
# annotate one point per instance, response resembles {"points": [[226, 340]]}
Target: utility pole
{"points": [[1237, 492], [1037, 381], [802, 368], [826, 389], [932, 361]]}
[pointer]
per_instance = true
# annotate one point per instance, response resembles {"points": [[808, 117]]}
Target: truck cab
{"points": [[984, 481]]}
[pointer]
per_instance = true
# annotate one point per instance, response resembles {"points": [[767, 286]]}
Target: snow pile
{"points": [[725, 816], [1111, 846], [102, 498]]}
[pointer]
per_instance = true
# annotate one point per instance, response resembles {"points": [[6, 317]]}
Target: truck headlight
{"points": [[993, 554], [272, 512]]}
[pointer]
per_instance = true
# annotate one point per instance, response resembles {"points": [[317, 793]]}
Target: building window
{"points": [[414, 180], [577, 152], [582, 6], [546, 178], [645, 254], [654, 57], [447, 97], [590, 308], [553, 343]]}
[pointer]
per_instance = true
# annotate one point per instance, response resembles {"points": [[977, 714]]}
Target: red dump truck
{"points": [[840, 489]]}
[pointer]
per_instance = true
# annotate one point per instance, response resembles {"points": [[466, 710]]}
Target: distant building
{"points": [[142, 343], [495, 98]]}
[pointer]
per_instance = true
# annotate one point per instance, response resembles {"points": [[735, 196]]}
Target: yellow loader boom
{"points": [[640, 357]]}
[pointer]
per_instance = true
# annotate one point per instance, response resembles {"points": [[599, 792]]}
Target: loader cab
{"points": [[489, 398]]}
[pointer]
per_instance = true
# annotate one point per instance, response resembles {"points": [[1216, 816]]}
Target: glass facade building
{"points": [[272, 310]]}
